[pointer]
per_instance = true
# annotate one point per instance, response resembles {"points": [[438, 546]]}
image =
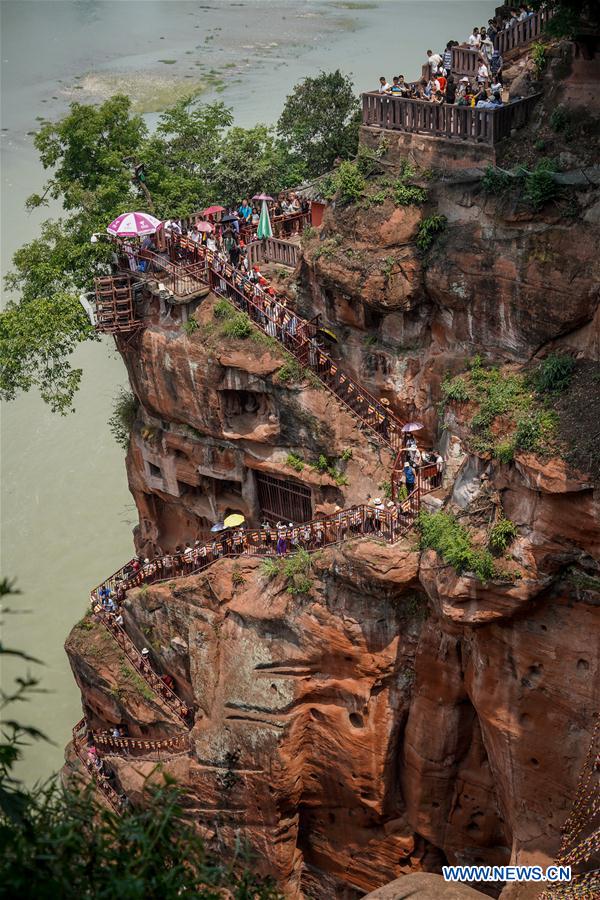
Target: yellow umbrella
{"points": [[232, 521]]}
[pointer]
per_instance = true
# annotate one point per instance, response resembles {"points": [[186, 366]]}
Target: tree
{"points": [[320, 121], [181, 159], [86, 152], [251, 161], [571, 17]]}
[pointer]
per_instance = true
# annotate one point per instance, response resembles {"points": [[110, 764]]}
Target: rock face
{"points": [[397, 714]]}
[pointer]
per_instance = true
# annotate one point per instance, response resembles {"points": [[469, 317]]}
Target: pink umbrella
{"points": [[262, 197], [133, 224], [205, 226], [211, 210], [412, 426]]}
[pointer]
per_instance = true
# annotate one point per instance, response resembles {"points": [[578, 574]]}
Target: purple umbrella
{"points": [[262, 197], [412, 426]]}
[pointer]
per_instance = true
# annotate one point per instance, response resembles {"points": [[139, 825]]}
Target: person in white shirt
{"points": [[474, 39], [487, 48], [482, 74], [383, 85], [435, 61]]}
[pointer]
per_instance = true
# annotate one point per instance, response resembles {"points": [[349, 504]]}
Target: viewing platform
{"points": [[457, 123]]}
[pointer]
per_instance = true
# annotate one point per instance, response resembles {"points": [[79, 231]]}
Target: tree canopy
{"points": [[571, 17], [320, 119], [195, 156]]}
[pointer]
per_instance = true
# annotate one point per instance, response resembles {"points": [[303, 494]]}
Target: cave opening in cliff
{"points": [[282, 499]]}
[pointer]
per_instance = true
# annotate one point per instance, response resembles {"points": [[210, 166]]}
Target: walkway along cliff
{"points": [[361, 708]]}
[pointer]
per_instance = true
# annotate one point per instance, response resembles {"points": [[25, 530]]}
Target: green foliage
{"points": [[308, 232], [455, 390], [539, 186], [560, 120], [502, 534], [367, 159], [322, 464], [251, 161], [350, 183], [386, 489], [125, 409], [496, 182], [320, 120], [297, 568], [237, 579], [536, 187], [554, 374], [193, 157], [441, 532], [270, 568], [584, 580], [223, 309], [429, 229], [295, 462], [329, 247], [570, 17], [346, 455], [409, 195], [504, 451], [406, 169], [191, 326], [536, 430], [539, 57], [291, 371], [37, 336], [238, 327], [325, 465]]}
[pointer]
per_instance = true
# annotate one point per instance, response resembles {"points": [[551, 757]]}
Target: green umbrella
{"points": [[264, 223]]}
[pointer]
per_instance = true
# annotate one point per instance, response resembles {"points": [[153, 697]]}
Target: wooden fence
{"points": [[465, 62], [530, 29], [273, 250], [484, 126]]}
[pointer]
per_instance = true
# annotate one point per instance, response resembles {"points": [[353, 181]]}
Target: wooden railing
{"points": [[522, 33], [465, 62], [487, 126], [131, 746], [389, 523], [96, 772], [181, 280], [282, 226], [274, 250], [140, 663]]}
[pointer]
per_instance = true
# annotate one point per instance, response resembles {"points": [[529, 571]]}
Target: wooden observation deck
{"points": [[115, 308]]}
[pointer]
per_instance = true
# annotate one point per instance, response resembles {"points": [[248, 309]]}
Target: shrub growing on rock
{"points": [[441, 532], [123, 418], [350, 182], [554, 374], [501, 535], [238, 327], [429, 229]]}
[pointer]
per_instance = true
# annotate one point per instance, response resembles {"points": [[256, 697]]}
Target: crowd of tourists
{"points": [[440, 84], [222, 227]]}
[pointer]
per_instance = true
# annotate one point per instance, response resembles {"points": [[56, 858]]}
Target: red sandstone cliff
{"points": [[397, 714]]}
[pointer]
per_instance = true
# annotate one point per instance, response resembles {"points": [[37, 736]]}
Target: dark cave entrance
{"points": [[283, 500]]}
